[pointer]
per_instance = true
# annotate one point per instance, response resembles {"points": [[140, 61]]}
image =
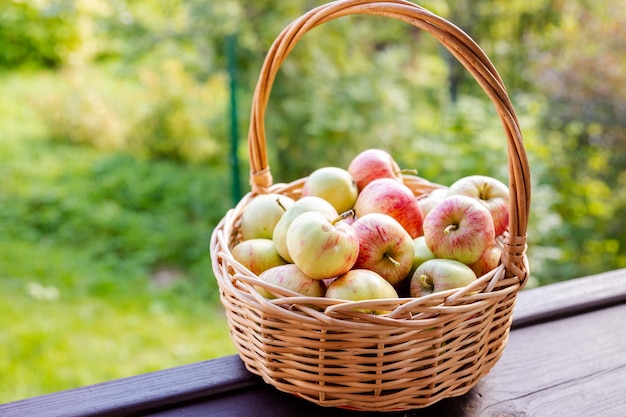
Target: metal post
{"points": [[231, 46]]}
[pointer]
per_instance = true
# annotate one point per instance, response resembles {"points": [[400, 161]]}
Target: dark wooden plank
{"points": [[138, 394], [572, 367], [566, 298], [264, 400], [206, 380]]}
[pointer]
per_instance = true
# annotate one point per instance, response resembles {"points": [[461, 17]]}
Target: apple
{"points": [[361, 284], [372, 164], [428, 201], [257, 254], [421, 253], [302, 205], [388, 196], [459, 228], [291, 277], [334, 185], [487, 261], [260, 216], [491, 192], [437, 275], [385, 246], [321, 246]]}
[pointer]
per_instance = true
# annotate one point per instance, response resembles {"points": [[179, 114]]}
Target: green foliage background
{"points": [[115, 157]]}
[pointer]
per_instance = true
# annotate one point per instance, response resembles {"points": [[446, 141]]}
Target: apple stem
{"points": [[408, 171], [426, 281], [280, 204], [393, 261], [450, 227], [343, 216], [483, 191]]}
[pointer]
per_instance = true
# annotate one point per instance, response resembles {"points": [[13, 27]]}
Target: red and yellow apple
{"points": [[487, 261], [384, 246], [359, 285], [388, 196], [459, 228], [491, 192], [437, 275], [321, 246], [257, 254], [372, 164], [291, 277]]}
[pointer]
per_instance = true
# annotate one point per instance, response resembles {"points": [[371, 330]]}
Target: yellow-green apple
{"points": [[437, 275], [459, 228], [321, 246], [487, 261], [257, 254], [260, 215], [359, 285], [384, 246], [302, 205], [395, 199], [371, 164], [291, 277], [428, 201], [491, 192], [421, 253], [334, 185]]}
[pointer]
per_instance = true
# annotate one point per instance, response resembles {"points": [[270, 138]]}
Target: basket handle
{"points": [[460, 45]]}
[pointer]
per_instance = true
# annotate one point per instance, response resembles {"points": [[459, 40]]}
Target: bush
{"points": [[180, 118], [31, 36], [164, 114], [136, 214]]}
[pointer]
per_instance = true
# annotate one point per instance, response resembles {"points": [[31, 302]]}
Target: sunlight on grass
{"points": [[78, 305], [63, 329]]}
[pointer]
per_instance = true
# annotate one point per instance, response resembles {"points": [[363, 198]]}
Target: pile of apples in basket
{"points": [[361, 233]]}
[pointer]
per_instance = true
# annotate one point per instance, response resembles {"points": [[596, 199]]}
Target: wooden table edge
{"points": [[184, 384]]}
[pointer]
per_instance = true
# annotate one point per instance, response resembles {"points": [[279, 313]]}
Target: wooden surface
{"points": [[566, 356]]}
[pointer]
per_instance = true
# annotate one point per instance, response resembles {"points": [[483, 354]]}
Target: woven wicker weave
{"points": [[425, 349]]}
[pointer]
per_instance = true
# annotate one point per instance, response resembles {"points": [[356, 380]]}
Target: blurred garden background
{"points": [[116, 153]]}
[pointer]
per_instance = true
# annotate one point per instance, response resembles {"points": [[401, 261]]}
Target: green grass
{"points": [[69, 322], [81, 233]]}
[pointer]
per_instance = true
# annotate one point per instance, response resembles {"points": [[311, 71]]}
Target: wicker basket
{"points": [[425, 349]]}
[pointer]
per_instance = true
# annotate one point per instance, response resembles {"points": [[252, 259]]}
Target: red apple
{"points": [[388, 196], [361, 284], [459, 228], [487, 261], [291, 277], [321, 246], [334, 185], [257, 255], [372, 164], [437, 275], [384, 246], [491, 192]]}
